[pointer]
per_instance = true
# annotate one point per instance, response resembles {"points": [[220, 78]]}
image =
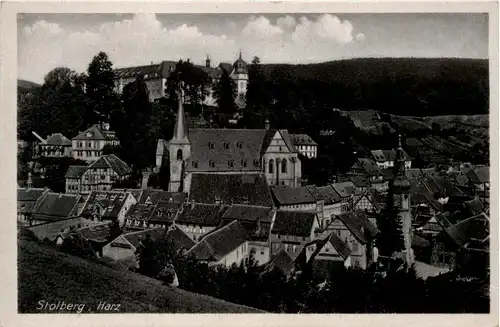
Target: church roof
{"points": [[240, 66], [180, 129]]}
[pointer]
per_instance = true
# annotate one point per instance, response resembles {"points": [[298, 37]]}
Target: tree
{"points": [[225, 93], [257, 98], [115, 230], [100, 89], [389, 224]]}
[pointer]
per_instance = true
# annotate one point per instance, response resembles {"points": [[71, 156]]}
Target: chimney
{"points": [[266, 124], [145, 179]]}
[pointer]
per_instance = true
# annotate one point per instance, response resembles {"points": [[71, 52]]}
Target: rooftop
{"points": [[293, 223]]}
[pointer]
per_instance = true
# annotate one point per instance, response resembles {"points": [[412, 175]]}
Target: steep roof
{"points": [[292, 195], [387, 155], [249, 189], [95, 132], [201, 214], [359, 225], [51, 229], [30, 194], [282, 260], [302, 139], [342, 249], [111, 201], [75, 171], [479, 175], [55, 206], [165, 212], [329, 194], [58, 139], [179, 238], [147, 71], [217, 244], [135, 238], [149, 196], [96, 233], [293, 223], [113, 162], [249, 213], [140, 212], [476, 227], [344, 189], [180, 128]]}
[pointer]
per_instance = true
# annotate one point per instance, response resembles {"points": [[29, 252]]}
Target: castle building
{"points": [[267, 152], [156, 75], [401, 187]]}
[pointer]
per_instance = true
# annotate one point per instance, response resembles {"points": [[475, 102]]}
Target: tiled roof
{"points": [[217, 244], [360, 181], [339, 245], [58, 139], [50, 230], [201, 214], [227, 66], [293, 223], [479, 175], [55, 206], [113, 162], [75, 171], [247, 212], [413, 173], [282, 260], [344, 189], [95, 132], [111, 201], [288, 141], [419, 241], [302, 139], [476, 227], [165, 212], [359, 225], [152, 71], [135, 238], [329, 194], [249, 189], [156, 196], [30, 194], [140, 212], [96, 233], [136, 192], [292, 195], [387, 155], [179, 238]]}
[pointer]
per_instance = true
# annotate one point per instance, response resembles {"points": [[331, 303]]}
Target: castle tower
{"points": [[402, 188], [179, 148]]}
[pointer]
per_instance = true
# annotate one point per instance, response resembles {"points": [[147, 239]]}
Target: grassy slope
{"points": [[46, 274]]}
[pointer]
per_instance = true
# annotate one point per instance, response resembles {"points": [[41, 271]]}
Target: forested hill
{"points": [[24, 85], [403, 86]]}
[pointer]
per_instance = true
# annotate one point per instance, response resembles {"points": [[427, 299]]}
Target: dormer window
{"points": [[230, 163], [211, 145], [243, 163], [89, 134], [226, 145], [256, 162], [239, 145], [211, 163]]}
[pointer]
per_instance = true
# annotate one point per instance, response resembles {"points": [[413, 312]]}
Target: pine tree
{"points": [[389, 224], [225, 93], [257, 98], [100, 89]]}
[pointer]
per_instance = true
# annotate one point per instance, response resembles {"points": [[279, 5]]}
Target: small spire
{"points": [[180, 130], [399, 141], [240, 53]]}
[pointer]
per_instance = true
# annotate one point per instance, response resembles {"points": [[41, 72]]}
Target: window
{"points": [[195, 164], [211, 145], [283, 166], [103, 177], [239, 145], [271, 166], [89, 153], [280, 149], [327, 250], [179, 154], [354, 246], [211, 163], [294, 248], [90, 144], [279, 236], [243, 163], [226, 145], [262, 252], [286, 246], [217, 199], [256, 162], [230, 163]]}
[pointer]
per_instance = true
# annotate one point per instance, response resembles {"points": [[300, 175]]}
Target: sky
{"points": [[47, 41]]}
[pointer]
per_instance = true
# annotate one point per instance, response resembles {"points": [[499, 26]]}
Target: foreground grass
{"points": [[48, 276]]}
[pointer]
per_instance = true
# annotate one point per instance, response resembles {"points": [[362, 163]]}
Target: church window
{"points": [[226, 145], [271, 166], [256, 162], [211, 145], [195, 164], [239, 145], [179, 154], [243, 163], [211, 163], [230, 163], [283, 166]]}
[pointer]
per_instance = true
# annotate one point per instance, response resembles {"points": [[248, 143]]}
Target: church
{"points": [[265, 152]]}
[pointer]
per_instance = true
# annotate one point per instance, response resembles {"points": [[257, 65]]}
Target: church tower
{"points": [[402, 188], [179, 149]]}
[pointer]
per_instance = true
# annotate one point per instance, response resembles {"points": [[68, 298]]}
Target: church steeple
{"points": [[180, 130]]}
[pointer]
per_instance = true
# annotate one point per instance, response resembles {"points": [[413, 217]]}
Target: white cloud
{"points": [[144, 39]]}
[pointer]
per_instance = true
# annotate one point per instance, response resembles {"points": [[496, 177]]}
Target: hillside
{"points": [[401, 86], [52, 276], [26, 86]]}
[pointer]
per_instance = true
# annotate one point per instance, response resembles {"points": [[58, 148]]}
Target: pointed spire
{"points": [[180, 130], [240, 54]]}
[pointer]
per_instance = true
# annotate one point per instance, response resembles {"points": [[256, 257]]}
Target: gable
{"points": [[277, 144]]}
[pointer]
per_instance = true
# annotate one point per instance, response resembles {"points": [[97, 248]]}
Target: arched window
{"points": [[283, 166], [211, 145], [271, 166], [239, 145], [179, 154]]}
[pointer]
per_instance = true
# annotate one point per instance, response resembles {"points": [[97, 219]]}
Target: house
{"points": [[151, 196], [370, 201], [55, 206], [291, 230], [87, 145], [51, 230], [95, 236], [385, 158], [225, 246], [305, 145], [330, 248], [55, 146], [74, 178], [26, 202], [357, 232], [198, 219], [332, 201], [156, 75], [479, 178], [138, 216], [366, 170], [164, 214], [251, 189], [347, 192], [268, 152], [103, 173], [124, 247], [108, 206], [461, 244], [282, 260], [296, 198], [257, 221]]}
